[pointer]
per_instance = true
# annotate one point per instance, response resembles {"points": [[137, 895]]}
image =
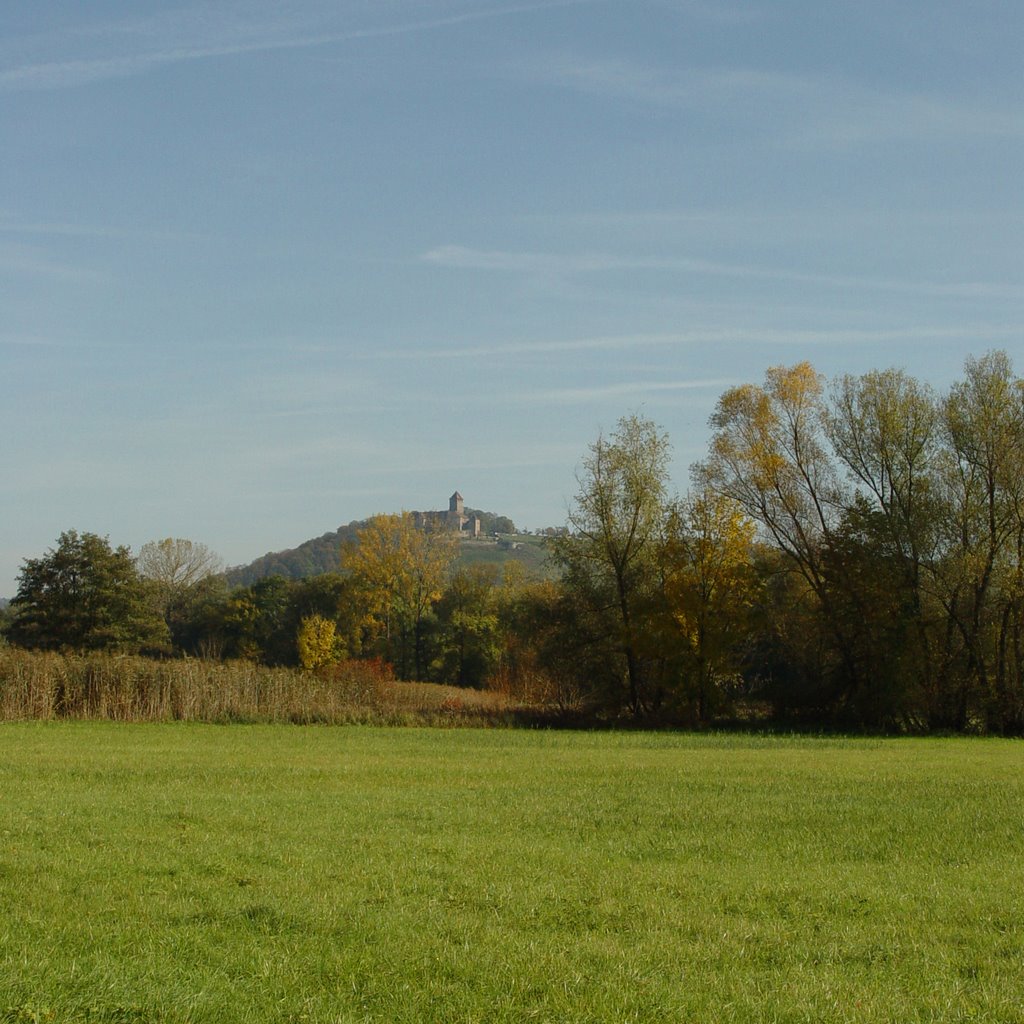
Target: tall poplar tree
{"points": [[609, 556]]}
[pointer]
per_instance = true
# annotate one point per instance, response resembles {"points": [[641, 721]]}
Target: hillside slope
{"points": [[323, 554]]}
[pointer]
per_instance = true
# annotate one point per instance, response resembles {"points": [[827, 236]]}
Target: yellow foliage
{"points": [[316, 642], [401, 571]]}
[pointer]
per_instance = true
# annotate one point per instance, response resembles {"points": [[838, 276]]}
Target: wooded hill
{"points": [[323, 554]]}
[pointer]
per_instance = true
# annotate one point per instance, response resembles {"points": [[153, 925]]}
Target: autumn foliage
{"points": [[849, 554]]}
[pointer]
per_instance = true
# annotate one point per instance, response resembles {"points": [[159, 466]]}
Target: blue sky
{"points": [[268, 267]]}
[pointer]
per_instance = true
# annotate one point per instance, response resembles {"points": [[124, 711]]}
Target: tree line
{"points": [[849, 553]]}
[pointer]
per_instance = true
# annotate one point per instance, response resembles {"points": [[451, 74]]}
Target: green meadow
{"points": [[202, 873]]}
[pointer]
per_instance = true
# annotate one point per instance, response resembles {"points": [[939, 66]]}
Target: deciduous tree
{"points": [[176, 565], [180, 571], [983, 416], [770, 454], [315, 642], [84, 595], [609, 557], [401, 570], [469, 635], [708, 584], [886, 431]]}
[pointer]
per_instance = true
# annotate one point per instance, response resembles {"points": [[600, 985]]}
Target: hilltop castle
{"points": [[455, 519]]}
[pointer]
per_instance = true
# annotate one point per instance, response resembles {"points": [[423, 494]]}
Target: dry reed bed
{"points": [[45, 685]]}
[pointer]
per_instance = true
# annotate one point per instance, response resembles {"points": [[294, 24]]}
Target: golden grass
{"points": [[44, 685]]}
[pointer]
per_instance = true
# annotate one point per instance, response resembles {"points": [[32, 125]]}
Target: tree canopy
{"points": [[402, 571], [611, 550], [84, 595]]}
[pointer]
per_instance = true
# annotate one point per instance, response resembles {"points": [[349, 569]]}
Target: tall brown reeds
{"points": [[43, 685]]}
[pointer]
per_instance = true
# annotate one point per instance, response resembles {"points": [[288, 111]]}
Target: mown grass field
{"points": [[183, 872]]}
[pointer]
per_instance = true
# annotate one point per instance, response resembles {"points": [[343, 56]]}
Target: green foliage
{"points": [[6, 618], [491, 522], [323, 554], [84, 595], [257, 624], [850, 555], [311, 558], [261, 622], [181, 573], [529, 553], [468, 642]]}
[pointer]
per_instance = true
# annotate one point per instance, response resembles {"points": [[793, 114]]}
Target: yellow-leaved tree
{"points": [[401, 570], [709, 586], [316, 642]]}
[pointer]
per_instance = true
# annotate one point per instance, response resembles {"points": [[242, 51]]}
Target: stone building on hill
{"points": [[454, 519]]}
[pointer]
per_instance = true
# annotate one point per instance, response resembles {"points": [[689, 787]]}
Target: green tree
{"points": [[887, 631], [609, 556], [257, 622], [84, 595], [545, 658], [6, 618], [469, 636], [336, 598]]}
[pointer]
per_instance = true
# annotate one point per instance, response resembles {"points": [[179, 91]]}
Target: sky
{"points": [[269, 267]]}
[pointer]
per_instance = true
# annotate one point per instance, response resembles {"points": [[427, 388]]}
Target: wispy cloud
{"points": [[56, 229], [29, 260], [27, 341], [379, 458], [804, 218], [464, 258], [687, 87], [145, 44], [793, 108], [555, 264], [319, 451], [620, 390], [488, 458], [981, 333]]}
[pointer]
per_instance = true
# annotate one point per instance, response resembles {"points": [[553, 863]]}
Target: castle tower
{"points": [[455, 516]]}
